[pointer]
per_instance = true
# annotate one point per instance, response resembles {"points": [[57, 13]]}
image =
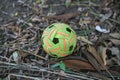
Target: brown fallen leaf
{"points": [[92, 60], [64, 16], [115, 41], [78, 64], [93, 51], [115, 35], [97, 57], [82, 38]]}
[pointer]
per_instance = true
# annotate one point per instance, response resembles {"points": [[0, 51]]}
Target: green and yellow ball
{"points": [[59, 40]]}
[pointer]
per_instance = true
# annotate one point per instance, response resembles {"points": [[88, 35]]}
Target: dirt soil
{"points": [[96, 55]]}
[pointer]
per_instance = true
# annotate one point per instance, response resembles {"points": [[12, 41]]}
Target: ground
{"points": [[97, 53]]}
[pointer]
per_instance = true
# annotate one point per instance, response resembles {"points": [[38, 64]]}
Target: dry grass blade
{"points": [[92, 61], [93, 51], [97, 57]]}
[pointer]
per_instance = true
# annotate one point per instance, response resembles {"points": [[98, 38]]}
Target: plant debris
{"points": [[96, 23]]}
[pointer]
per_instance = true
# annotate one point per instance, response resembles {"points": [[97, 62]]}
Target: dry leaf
{"points": [[64, 16], [116, 51], [77, 65], [93, 51], [115, 41], [115, 35], [97, 57], [84, 39], [104, 56], [92, 60]]}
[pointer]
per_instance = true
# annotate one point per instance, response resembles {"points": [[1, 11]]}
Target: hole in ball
{"points": [[69, 30], [71, 47], [51, 26], [55, 40], [54, 55]]}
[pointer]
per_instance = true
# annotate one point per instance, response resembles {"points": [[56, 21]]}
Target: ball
{"points": [[58, 40]]}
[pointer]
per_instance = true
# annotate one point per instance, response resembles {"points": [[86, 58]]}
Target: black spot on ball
{"points": [[71, 47], [51, 26], [55, 40], [69, 30], [54, 55]]}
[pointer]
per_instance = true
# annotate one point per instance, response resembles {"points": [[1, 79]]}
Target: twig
{"points": [[32, 53], [29, 77], [108, 18], [36, 68]]}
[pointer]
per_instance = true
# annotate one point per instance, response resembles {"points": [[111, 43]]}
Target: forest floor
{"points": [[97, 26]]}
